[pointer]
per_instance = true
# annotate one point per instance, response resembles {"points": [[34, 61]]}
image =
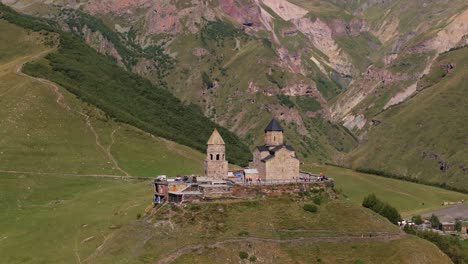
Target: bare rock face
{"points": [[298, 89], [291, 61], [101, 44], [454, 35], [162, 18], [384, 76], [321, 36], [119, 7], [431, 155], [288, 115], [353, 28], [200, 52], [248, 13]]}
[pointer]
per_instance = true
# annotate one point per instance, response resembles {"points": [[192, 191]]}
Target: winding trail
{"points": [[18, 66], [333, 239]]}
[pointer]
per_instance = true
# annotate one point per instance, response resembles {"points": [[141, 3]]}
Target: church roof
{"points": [[274, 150], [273, 126], [215, 138]]}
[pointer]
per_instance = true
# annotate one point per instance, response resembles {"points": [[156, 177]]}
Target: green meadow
{"points": [[409, 198]]}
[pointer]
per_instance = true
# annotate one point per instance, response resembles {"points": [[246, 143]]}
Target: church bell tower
{"points": [[273, 134], [216, 165]]}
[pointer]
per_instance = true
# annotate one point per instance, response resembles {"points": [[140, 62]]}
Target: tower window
{"points": [[217, 156], [223, 156], [211, 156]]}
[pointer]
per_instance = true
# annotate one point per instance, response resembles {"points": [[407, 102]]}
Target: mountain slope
{"points": [[94, 78], [326, 69], [45, 129], [403, 144]]}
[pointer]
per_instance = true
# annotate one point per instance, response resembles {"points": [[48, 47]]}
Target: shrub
{"points": [[384, 209], [243, 255], [253, 258], [138, 216], [448, 244], [317, 200], [434, 221], [310, 208], [417, 219], [243, 233]]}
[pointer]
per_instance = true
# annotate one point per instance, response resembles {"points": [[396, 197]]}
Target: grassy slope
{"points": [[407, 197], [408, 250], [277, 218], [124, 96], [434, 121], [44, 219], [37, 135]]}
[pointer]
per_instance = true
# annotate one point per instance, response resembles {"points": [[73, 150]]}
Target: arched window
{"points": [[211, 156], [223, 156], [274, 138], [217, 156]]}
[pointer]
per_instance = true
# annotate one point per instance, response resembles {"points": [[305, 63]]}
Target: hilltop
{"points": [[268, 230]]}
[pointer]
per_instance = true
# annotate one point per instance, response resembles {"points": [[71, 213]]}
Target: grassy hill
{"points": [[272, 230], [409, 198], [48, 130], [425, 138], [124, 96]]}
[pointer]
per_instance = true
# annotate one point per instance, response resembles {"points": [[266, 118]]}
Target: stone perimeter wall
{"points": [[246, 191]]}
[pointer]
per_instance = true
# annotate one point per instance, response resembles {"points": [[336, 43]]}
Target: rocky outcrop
{"points": [[286, 10], [101, 44], [321, 36], [248, 13], [200, 52], [290, 60], [353, 28], [116, 7], [162, 18], [431, 155], [298, 89], [288, 115], [453, 35]]}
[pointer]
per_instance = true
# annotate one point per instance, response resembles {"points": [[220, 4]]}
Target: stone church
{"points": [[274, 160]]}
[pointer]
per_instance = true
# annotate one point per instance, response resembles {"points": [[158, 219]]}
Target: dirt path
{"points": [[333, 239], [72, 174], [18, 66]]}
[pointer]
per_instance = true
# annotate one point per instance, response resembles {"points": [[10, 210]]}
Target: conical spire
{"points": [[273, 126], [215, 138]]}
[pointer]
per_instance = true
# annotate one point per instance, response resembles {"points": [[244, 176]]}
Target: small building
{"points": [[250, 173], [464, 227], [184, 197], [447, 226]]}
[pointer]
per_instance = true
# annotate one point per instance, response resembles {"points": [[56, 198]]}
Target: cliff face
{"points": [[304, 62]]}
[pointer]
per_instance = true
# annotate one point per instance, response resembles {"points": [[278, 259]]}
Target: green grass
{"points": [[55, 208], [407, 197], [428, 130], [272, 218], [124, 96], [51, 216], [465, 244], [39, 135]]}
